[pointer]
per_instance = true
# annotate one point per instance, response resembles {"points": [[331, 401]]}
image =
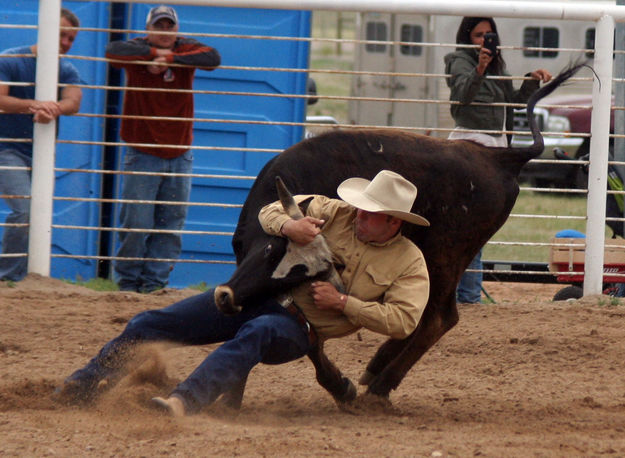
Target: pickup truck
{"points": [[569, 114]]}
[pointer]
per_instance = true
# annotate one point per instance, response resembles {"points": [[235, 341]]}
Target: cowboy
{"points": [[386, 283]]}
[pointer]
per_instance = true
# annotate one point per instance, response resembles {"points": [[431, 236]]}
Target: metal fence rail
{"points": [[44, 168]]}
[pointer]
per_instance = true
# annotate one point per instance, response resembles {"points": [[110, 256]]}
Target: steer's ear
{"points": [[303, 205]]}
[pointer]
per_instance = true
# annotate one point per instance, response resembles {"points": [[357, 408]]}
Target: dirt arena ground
{"points": [[525, 377]]}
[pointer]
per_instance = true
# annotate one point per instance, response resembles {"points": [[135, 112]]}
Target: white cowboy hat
{"points": [[387, 193]]}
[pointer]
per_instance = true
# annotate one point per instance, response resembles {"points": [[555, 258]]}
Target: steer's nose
{"points": [[224, 299]]}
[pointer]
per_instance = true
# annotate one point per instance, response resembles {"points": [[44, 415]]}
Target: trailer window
{"points": [[376, 31], [540, 37], [590, 43], [411, 34]]}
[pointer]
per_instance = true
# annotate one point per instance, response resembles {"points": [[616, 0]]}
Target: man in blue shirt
{"points": [[18, 112]]}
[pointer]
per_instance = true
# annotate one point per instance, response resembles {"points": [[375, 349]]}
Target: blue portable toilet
{"points": [[221, 110], [69, 184], [80, 142]]}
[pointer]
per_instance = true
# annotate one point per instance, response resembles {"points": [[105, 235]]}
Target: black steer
{"points": [[466, 191], [277, 264]]}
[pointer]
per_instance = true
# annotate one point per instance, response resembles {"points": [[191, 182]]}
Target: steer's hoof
{"points": [[377, 404], [369, 404], [366, 378], [349, 392]]}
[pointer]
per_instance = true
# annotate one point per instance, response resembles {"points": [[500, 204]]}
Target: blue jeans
{"points": [[469, 290], [265, 333], [15, 239], [142, 274]]}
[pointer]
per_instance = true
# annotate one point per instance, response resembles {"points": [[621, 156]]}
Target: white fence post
{"points": [[599, 147], [44, 138]]}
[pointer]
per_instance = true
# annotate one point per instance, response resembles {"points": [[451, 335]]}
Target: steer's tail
{"points": [[538, 146]]}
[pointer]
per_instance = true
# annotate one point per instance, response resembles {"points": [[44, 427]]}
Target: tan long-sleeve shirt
{"points": [[387, 283]]}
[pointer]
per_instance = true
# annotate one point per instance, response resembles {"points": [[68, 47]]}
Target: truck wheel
{"points": [[568, 293]]}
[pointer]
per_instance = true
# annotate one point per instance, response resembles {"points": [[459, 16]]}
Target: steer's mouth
{"points": [[224, 299]]}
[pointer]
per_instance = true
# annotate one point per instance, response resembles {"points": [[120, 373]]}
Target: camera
{"points": [[491, 41]]}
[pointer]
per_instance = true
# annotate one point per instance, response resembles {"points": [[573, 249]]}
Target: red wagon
{"points": [[568, 264]]}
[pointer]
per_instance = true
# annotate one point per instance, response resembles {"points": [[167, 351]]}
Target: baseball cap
{"points": [[160, 12]]}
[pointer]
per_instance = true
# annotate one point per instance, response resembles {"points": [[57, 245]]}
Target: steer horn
{"points": [[286, 198]]}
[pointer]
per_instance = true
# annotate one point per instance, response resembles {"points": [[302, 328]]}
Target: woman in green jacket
{"points": [[469, 69]]}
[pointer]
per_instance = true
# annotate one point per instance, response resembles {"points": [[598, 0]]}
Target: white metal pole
{"points": [[619, 101], [599, 146], [44, 136]]}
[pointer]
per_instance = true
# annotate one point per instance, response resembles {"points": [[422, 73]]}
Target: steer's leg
{"points": [[330, 377], [395, 358], [386, 353]]}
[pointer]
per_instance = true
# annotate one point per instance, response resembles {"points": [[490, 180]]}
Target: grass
{"points": [[105, 284], [536, 230], [609, 302], [96, 284], [202, 287]]}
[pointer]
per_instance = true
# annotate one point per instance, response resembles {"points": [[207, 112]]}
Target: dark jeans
{"points": [[265, 333], [15, 239], [141, 274], [469, 290]]}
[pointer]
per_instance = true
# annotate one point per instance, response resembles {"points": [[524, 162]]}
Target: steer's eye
{"points": [[268, 249]]}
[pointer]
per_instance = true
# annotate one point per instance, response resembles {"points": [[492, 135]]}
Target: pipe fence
{"points": [[334, 103]]}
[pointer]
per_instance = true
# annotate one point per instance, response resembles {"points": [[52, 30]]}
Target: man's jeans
{"points": [[149, 275], [15, 239], [265, 333], [469, 289]]}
